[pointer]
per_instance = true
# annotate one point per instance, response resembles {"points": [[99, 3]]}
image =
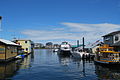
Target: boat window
{"points": [[64, 43], [116, 38], [110, 49]]}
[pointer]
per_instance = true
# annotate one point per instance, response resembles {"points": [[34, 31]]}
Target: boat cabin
{"points": [[64, 43]]}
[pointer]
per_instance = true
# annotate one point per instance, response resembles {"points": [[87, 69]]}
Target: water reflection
{"points": [[107, 73], [26, 63], [79, 69], [64, 60], [9, 69]]}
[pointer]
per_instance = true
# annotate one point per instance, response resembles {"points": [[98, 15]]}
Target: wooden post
{"points": [[77, 43]]}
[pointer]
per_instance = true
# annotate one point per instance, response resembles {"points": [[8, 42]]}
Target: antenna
{"points": [[0, 26], [0, 23]]}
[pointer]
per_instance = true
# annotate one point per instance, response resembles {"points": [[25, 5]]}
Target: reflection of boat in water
{"points": [[65, 48], [7, 70], [64, 60], [107, 73], [106, 55]]}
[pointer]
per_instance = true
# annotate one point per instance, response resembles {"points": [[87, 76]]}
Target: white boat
{"points": [[55, 50], [78, 53], [65, 47]]}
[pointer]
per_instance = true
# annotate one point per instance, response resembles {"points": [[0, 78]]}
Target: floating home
{"points": [[107, 55], [8, 50], [27, 45]]}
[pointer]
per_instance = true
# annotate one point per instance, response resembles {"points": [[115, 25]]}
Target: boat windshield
{"points": [[64, 42]]}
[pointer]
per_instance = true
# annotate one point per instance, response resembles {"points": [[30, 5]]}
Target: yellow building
{"points": [[8, 50], [27, 45]]}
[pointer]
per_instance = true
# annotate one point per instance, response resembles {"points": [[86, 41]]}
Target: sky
{"points": [[59, 20]]}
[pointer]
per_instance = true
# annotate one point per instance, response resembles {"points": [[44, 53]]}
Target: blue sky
{"points": [[59, 20]]}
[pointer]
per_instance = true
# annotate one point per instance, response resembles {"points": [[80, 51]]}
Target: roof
{"points": [[76, 45], [116, 44], [111, 34], [8, 42], [23, 40]]}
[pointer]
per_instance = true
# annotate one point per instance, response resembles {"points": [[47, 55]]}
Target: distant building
{"points": [[27, 45], [56, 46], [38, 45], [8, 50], [49, 45], [113, 39]]}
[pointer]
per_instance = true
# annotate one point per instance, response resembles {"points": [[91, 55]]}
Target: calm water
{"points": [[46, 65]]}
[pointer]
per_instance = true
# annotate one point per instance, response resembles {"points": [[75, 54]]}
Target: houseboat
{"points": [[8, 50], [106, 55], [27, 45]]}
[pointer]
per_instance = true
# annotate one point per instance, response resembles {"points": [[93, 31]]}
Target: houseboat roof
{"points": [[111, 34], [23, 40], [7, 42]]}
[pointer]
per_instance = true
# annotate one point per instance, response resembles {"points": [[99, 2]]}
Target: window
{"points": [[26, 49], [25, 41], [2, 50], [107, 38], [116, 38]]}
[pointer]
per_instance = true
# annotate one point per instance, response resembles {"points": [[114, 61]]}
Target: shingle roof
{"points": [[111, 34], [8, 42]]}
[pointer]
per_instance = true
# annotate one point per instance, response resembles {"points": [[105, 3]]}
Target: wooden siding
{"points": [[11, 51], [2, 51]]}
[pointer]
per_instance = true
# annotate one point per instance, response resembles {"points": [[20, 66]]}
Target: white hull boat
{"points": [[80, 54], [65, 48]]}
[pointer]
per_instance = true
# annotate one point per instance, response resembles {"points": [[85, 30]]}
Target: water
{"points": [[46, 65]]}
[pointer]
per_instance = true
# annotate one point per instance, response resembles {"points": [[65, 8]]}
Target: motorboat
{"points": [[79, 53], [65, 48]]}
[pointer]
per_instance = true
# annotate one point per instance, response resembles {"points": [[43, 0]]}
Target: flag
{"points": [[0, 17]]}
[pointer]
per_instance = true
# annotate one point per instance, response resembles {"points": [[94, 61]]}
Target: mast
{"points": [[83, 44]]}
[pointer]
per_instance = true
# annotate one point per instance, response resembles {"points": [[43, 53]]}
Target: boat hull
{"points": [[63, 52], [81, 55], [107, 63]]}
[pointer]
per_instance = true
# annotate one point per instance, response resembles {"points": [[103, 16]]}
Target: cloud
{"points": [[73, 31], [105, 27]]}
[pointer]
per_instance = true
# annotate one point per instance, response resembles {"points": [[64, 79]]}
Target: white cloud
{"points": [[74, 31], [105, 27]]}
